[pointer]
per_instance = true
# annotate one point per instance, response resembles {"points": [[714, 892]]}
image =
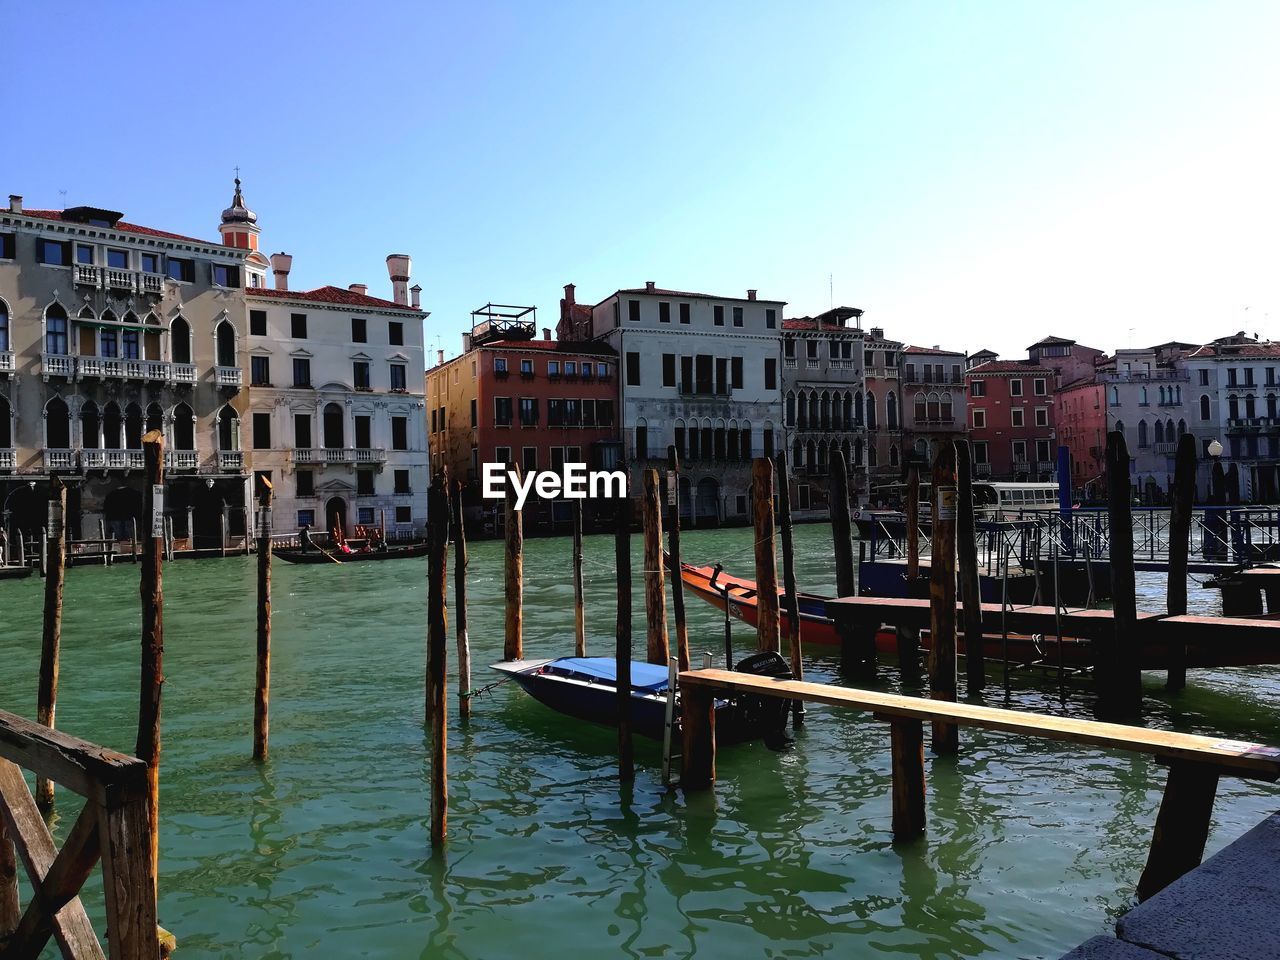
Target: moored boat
{"points": [[316, 555], [15, 572]]}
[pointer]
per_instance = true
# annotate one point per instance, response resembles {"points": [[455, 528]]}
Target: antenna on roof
{"points": [[63, 195], [831, 296]]}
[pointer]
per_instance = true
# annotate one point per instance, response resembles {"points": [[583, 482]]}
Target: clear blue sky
{"points": [[972, 174]]}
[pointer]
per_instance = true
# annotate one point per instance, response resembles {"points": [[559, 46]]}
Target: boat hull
{"points": [[294, 555]]}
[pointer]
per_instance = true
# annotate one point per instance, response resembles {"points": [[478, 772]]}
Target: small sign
{"points": [[946, 507], [55, 520], [157, 510], [264, 522], [671, 488]]}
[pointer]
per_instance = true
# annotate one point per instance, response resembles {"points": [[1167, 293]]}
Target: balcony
{"points": [[1166, 447], [1138, 376], [1046, 466], [231, 460], [56, 365], [183, 372], [181, 460], [114, 368], [339, 455], [370, 455], [1246, 424], [59, 459], [982, 470], [883, 373], [8, 458], [84, 275], [151, 283], [811, 364], [789, 363], [7, 362], [842, 365], [227, 376], [92, 459]]}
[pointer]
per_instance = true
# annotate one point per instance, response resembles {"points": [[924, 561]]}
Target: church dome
{"points": [[238, 212]]}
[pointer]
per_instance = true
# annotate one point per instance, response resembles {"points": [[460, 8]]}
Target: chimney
{"points": [[439, 356], [568, 294], [15, 203], [398, 265], [751, 294], [877, 333], [466, 343], [649, 285], [546, 333], [360, 288], [415, 298], [281, 264]]}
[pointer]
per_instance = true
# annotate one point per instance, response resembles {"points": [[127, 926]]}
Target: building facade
{"points": [[933, 400], [109, 330], [511, 398], [883, 414], [823, 405], [702, 373], [1010, 420], [1080, 418]]}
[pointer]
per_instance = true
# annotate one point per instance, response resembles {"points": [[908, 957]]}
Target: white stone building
{"points": [[336, 416], [703, 373]]}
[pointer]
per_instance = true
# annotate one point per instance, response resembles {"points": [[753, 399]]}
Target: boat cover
{"points": [[644, 676]]}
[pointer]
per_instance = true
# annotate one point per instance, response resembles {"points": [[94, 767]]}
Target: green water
{"points": [[1031, 847]]}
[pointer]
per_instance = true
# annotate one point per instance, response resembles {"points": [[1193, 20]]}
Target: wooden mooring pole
{"points": [[513, 642], [975, 663], [622, 646], [51, 639], [1117, 667], [655, 594], [262, 688], [791, 597], [460, 603], [579, 608], [673, 544], [1180, 508], [909, 637], [766, 554], [437, 637], [152, 673], [942, 595], [857, 645]]}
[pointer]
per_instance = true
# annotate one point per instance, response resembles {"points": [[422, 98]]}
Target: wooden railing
{"points": [[1182, 825], [112, 827]]}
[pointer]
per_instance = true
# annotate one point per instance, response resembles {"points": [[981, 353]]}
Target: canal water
{"points": [[323, 851]]}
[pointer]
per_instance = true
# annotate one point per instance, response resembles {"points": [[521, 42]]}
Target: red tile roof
{"points": [[1005, 366], [800, 323], [1049, 342], [933, 351], [124, 227], [330, 294], [1237, 350]]}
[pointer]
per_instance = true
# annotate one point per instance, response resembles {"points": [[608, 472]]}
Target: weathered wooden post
{"points": [[673, 542], [262, 689], [766, 554], [152, 591], [655, 595], [942, 595], [622, 647], [1117, 666], [791, 597], [10, 902], [907, 745], [975, 663], [909, 637], [437, 637], [460, 603], [1184, 492], [56, 551], [44, 552], [579, 608], [513, 643], [133, 540], [842, 529]]}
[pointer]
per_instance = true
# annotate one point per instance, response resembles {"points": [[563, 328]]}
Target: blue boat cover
{"points": [[644, 676]]}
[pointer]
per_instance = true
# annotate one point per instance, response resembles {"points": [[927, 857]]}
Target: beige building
{"points": [[108, 330]]}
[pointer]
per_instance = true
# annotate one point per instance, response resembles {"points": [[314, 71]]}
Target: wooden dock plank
{"points": [[90, 770], [1251, 760]]}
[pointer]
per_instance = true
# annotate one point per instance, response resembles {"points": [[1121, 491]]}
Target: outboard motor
{"points": [[766, 716]]}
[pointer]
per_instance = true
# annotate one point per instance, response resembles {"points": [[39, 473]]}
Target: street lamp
{"points": [[1214, 449]]}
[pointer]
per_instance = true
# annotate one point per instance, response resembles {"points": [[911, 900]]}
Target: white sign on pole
{"points": [[671, 488], [157, 510]]}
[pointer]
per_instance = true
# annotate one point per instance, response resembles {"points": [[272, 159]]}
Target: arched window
{"points": [[871, 410], [945, 411], [228, 429], [111, 427], [129, 343], [1233, 407], [1204, 407], [108, 337], [893, 454], [226, 344], [1182, 427], [6, 423], [891, 411], [90, 426], [847, 415], [822, 455], [797, 454], [1159, 430], [133, 427], [857, 408], [333, 427], [1115, 396], [1249, 406], [814, 413], [791, 409], [857, 451], [4, 330], [155, 417], [811, 454], [1142, 397], [1142, 433], [55, 332], [57, 422], [180, 340], [184, 428], [825, 411], [871, 455], [921, 409], [1271, 405]]}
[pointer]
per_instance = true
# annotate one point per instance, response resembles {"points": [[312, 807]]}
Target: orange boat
{"points": [[716, 587]]}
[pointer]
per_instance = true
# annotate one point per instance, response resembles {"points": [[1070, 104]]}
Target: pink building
{"points": [[1010, 412], [1080, 420]]}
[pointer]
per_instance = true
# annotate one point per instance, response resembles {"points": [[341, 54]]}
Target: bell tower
{"points": [[239, 228]]}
